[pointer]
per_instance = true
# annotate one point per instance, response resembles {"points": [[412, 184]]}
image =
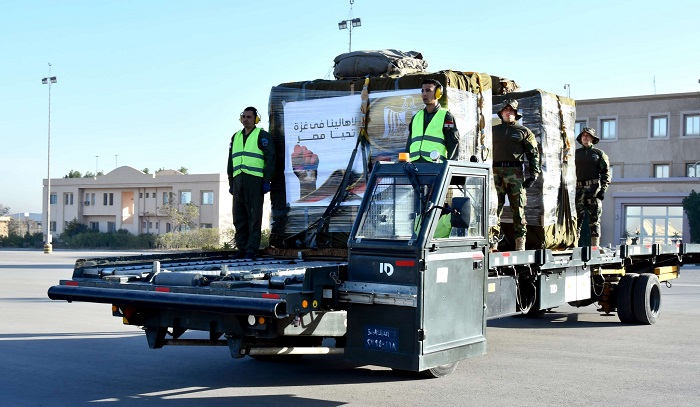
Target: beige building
{"points": [[4, 226], [653, 143], [129, 199], [19, 224]]}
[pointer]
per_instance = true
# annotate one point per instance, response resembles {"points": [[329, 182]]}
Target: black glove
{"points": [[230, 190], [600, 195], [446, 209], [265, 187], [528, 182]]}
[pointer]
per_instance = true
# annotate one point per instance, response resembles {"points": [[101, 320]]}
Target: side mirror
{"points": [[461, 212]]}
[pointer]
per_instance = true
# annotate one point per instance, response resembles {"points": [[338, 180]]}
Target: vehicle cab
{"points": [[416, 266]]}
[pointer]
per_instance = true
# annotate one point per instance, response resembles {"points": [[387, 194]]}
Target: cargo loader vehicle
{"points": [[413, 291]]}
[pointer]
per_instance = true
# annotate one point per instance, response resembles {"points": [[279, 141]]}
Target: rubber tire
{"points": [[647, 299], [625, 298], [440, 371]]}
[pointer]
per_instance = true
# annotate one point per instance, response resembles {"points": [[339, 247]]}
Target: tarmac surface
{"points": [[56, 353]]}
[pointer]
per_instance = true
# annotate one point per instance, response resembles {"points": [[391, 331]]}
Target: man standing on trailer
{"points": [[433, 128], [592, 180], [251, 161], [512, 144]]}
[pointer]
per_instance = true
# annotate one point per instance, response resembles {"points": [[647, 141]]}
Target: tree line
{"points": [[89, 174]]}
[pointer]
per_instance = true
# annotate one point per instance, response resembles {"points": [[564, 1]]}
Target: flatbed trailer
{"points": [[403, 297]]}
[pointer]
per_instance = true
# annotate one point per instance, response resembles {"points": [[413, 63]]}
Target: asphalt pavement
{"points": [[56, 353]]}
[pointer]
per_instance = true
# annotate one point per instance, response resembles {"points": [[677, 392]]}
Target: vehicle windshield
{"points": [[394, 209]]}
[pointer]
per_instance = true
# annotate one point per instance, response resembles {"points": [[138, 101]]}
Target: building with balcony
{"points": [[653, 143], [129, 199]]}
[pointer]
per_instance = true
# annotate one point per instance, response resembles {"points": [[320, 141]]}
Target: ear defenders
{"points": [[438, 91], [257, 116]]}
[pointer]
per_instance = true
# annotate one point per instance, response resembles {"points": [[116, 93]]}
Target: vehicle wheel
{"points": [[646, 299], [440, 371], [624, 299]]}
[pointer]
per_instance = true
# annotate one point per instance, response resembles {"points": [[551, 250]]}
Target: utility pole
{"points": [[47, 246]]}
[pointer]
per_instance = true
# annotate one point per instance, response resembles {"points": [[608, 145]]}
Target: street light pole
{"points": [[349, 24], [567, 86], [47, 246]]}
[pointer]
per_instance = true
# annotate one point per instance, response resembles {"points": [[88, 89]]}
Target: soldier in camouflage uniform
{"points": [[512, 144], [592, 180]]}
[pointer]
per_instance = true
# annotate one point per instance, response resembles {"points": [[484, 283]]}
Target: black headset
{"points": [[257, 115]]}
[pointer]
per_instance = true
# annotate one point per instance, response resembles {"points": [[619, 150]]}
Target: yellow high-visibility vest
{"points": [[422, 144], [249, 158]]}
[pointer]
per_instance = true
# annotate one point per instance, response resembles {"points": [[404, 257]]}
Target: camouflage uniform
{"points": [[592, 180], [509, 181], [512, 144]]}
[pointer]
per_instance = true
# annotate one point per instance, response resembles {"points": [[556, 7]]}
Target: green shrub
{"points": [[78, 237], [189, 239], [121, 239], [35, 240], [691, 206]]}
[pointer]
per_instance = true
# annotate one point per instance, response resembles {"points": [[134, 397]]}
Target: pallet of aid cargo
{"points": [[550, 210], [329, 133]]}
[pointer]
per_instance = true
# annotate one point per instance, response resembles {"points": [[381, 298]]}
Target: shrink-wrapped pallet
{"points": [[328, 134], [550, 209]]}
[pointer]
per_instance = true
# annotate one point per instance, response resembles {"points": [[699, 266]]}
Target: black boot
{"points": [[250, 254]]}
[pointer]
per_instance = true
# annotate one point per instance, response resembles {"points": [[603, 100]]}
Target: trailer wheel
{"points": [[625, 290], [647, 299], [440, 371]]}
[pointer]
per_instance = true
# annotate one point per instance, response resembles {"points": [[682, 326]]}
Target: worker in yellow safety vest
{"points": [[444, 225], [250, 164], [433, 128]]}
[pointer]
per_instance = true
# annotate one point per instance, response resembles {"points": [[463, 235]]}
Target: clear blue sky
{"points": [[160, 84]]}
